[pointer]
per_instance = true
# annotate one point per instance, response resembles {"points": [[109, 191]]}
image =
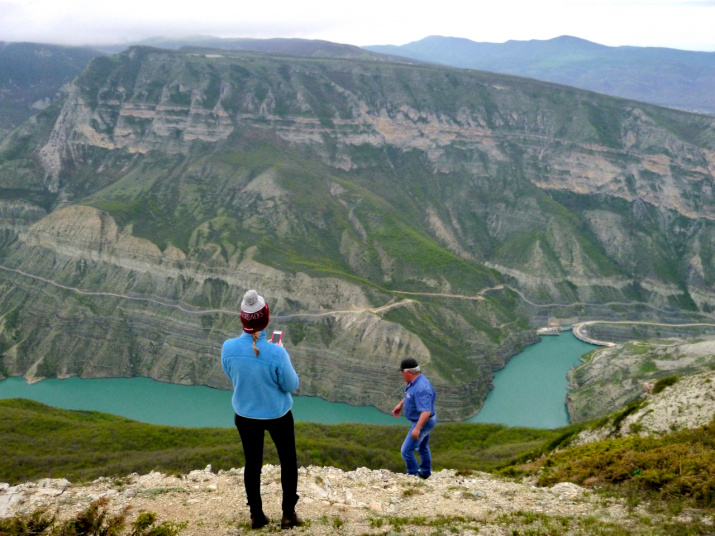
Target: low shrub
{"points": [[679, 465], [663, 383], [95, 520]]}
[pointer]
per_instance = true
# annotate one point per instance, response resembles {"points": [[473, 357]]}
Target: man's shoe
{"points": [[423, 477], [259, 521], [291, 520]]}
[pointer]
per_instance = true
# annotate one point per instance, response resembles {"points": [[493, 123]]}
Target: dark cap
{"points": [[408, 363]]}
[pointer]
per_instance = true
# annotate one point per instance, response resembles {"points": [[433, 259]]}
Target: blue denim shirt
{"points": [[419, 397]]}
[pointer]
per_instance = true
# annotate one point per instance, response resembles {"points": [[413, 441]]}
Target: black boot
{"points": [[259, 520], [288, 521]]}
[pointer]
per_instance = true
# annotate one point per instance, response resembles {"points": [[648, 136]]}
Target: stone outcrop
{"points": [[688, 403], [332, 501], [614, 376]]}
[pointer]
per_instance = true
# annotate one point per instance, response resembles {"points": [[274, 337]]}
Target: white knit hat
{"points": [[252, 302]]}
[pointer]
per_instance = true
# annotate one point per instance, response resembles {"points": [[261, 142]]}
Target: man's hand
{"points": [[398, 409], [424, 417]]}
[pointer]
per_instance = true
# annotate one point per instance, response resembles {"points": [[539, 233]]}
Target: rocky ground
{"points": [[689, 403], [332, 501], [617, 375]]}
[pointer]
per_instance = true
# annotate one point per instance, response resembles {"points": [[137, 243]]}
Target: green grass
{"points": [[41, 441], [663, 383], [666, 475], [674, 470]]}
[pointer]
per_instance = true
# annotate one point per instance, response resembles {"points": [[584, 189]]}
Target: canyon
{"points": [[383, 209]]}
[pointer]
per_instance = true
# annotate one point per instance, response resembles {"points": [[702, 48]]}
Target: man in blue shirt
{"points": [[418, 405]]}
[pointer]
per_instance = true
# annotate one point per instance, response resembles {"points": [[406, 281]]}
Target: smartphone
{"points": [[276, 337]]}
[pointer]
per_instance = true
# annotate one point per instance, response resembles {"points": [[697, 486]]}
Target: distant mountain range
{"points": [[667, 77], [292, 47], [31, 74]]}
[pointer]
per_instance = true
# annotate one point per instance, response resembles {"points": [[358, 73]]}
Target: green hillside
{"points": [[40, 441]]}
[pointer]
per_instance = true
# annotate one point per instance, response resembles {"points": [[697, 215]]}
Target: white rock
{"points": [[566, 489], [60, 483], [51, 492]]}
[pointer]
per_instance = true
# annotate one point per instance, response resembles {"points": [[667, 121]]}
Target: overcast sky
{"points": [[687, 24]]}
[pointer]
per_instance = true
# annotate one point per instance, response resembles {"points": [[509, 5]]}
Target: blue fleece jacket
{"points": [[261, 384]]}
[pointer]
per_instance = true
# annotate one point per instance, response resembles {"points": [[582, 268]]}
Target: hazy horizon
{"points": [[645, 23]]}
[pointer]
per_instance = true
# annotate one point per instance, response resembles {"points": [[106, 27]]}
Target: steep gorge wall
{"points": [[615, 376], [119, 307], [171, 182], [486, 136]]}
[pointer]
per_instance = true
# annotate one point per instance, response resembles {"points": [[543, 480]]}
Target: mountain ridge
{"points": [[667, 77], [32, 76], [325, 183]]}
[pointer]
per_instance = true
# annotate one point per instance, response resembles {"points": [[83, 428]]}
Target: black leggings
{"points": [[282, 432]]}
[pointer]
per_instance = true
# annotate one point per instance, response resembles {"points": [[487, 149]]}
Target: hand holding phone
{"points": [[277, 337]]}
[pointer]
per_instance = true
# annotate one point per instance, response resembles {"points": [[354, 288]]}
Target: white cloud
{"points": [[611, 22]]}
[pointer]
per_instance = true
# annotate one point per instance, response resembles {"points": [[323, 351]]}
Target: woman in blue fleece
{"points": [[263, 379]]}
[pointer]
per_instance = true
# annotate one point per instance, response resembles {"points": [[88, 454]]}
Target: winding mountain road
{"points": [[579, 329]]}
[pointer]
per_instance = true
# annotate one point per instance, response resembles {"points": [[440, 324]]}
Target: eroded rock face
{"points": [[615, 376], [688, 403], [167, 317], [163, 101], [196, 102]]}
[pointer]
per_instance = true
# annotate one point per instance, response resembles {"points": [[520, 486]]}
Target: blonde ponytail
{"points": [[255, 336]]}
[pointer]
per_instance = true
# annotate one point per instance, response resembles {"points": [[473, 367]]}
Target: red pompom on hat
{"points": [[254, 312]]}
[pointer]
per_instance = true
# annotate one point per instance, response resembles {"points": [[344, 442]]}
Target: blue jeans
{"points": [[421, 445]]}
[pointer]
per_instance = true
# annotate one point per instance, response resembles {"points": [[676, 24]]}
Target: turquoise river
{"points": [[529, 391]]}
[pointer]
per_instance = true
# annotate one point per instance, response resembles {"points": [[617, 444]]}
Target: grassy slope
{"points": [[41, 441], [672, 474]]}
